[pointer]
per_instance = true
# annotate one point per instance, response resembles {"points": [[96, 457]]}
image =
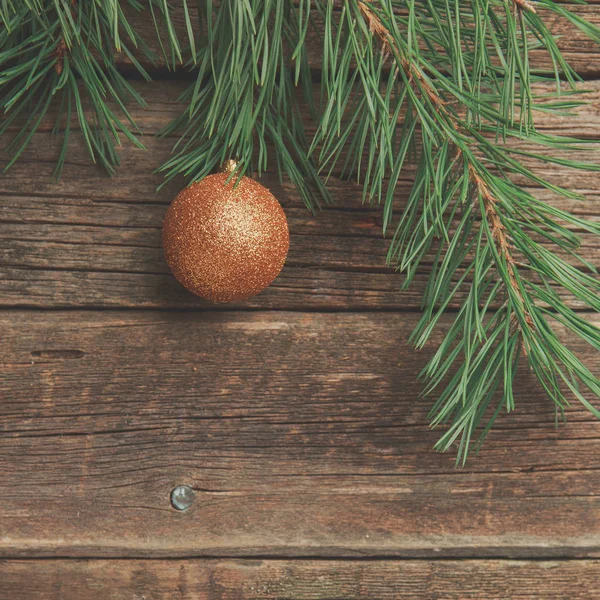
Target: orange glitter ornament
{"points": [[225, 242]]}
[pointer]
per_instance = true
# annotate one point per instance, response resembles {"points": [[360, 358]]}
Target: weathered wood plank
{"points": [[575, 46], [89, 240], [337, 260], [302, 434], [300, 579]]}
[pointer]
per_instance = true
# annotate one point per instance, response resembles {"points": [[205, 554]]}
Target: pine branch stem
{"points": [[61, 49], [60, 52], [525, 5], [499, 235]]}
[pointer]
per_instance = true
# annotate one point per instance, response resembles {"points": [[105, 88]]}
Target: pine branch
{"points": [[465, 203], [250, 58], [486, 356], [413, 74], [57, 58]]}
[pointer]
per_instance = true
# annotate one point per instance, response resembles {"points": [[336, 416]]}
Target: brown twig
{"points": [[413, 73], [525, 5], [376, 26], [389, 47], [61, 49], [499, 235], [60, 52]]}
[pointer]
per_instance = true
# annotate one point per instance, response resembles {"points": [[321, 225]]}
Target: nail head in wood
{"points": [[182, 497]]}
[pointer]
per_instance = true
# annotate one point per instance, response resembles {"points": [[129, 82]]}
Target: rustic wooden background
{"points": [[295, 417]]}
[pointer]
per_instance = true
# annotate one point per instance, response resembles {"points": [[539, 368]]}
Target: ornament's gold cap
{"points": [[229, 166]]}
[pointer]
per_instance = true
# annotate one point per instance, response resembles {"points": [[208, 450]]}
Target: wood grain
{"points": [[299, 580], [302, 435], [93, 241]]}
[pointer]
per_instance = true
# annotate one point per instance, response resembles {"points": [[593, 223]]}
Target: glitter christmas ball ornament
{"points": [[225, 242]]}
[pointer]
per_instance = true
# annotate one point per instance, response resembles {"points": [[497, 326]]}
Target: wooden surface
{"points": [[295, 417], [301, 579]]}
